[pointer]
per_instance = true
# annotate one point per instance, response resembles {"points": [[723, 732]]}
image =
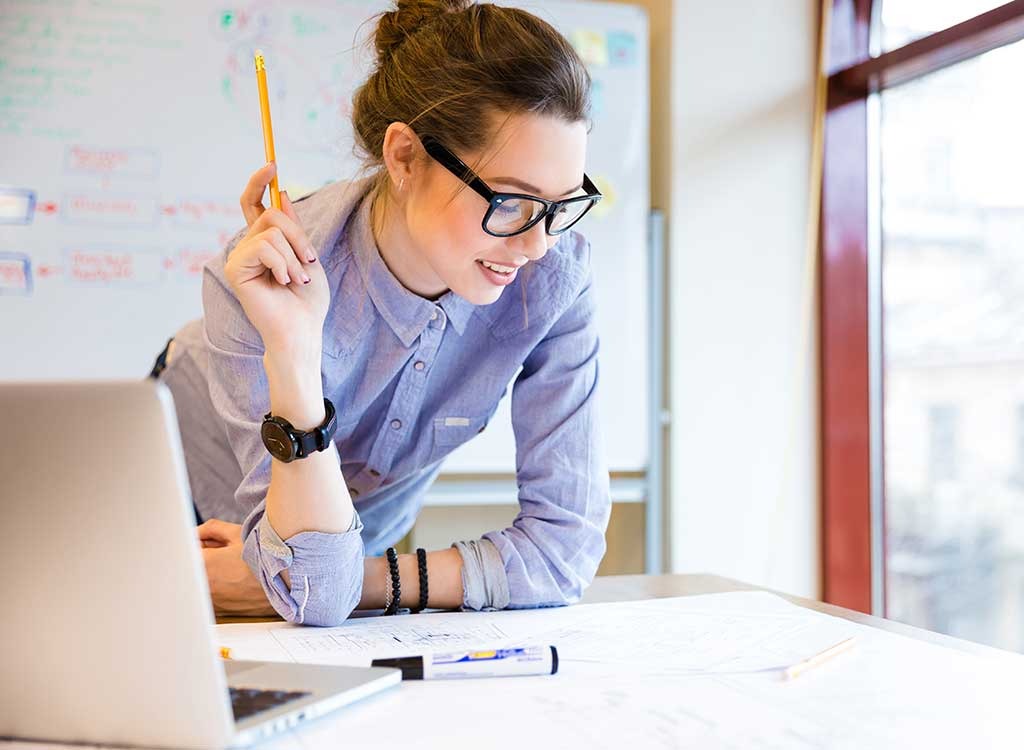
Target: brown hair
{"points": [[447, 67]]}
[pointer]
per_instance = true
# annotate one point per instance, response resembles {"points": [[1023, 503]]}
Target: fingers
{"points": [[252, 196], [289, 226], [266, 251], [275, 238], [216, 530], [288, 208], [286, 219]]}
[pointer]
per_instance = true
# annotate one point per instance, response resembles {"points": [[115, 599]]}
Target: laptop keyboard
{"points": [[248, 701]]}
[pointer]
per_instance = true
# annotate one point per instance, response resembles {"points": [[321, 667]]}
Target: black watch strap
{"points": [[286, 443]]}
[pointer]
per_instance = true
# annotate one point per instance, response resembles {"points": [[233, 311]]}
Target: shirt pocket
{"points": [[451, 432]]}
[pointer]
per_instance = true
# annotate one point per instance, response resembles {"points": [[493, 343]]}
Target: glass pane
{"points": [[906, 20], [952, 226]]}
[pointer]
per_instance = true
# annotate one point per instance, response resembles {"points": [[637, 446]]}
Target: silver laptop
{"points": [[106, 634]]}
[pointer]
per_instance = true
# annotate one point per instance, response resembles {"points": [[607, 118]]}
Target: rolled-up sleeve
{"points": [[315, 561], [326, 570], [552, 550]]}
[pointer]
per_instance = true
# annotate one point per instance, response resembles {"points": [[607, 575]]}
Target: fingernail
{"points": [[287, 280], [305, 279]]}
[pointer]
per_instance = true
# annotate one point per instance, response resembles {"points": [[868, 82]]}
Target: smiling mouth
{"points": [[497, 267]]}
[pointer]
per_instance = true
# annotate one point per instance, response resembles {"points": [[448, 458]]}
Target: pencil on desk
{"points": [[268, 130], [811, 662]]}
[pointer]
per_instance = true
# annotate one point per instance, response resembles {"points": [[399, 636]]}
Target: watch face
{"points": [[277, 441]]}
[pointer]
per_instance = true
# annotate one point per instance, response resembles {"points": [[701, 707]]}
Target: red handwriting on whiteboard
{"points": [[112, 162], [116, 206], [12, 275], [191, 261], [81, 158], [102, 266], [113, 207], [198, 211]]}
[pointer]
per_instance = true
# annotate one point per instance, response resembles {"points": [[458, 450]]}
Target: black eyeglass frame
{"points": [[457, 167]]}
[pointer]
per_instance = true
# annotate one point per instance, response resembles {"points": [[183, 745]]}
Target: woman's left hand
{"points": [[233, 586]]}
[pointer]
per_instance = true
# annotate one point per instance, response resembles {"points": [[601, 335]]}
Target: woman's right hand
{"points": [[275, 273]]}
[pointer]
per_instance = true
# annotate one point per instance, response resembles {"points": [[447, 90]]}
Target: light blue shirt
{"points": [[411, 380]]}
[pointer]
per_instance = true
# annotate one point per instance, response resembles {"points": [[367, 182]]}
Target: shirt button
{"points": [[374, 473], [433, 315], [419, 366], [396, 424], [353, 492]]}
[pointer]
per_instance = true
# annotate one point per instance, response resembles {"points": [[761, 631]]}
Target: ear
{"points": [[401, 149]]}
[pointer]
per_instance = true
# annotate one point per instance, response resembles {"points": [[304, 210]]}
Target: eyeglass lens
{"points": [[513, 214]]}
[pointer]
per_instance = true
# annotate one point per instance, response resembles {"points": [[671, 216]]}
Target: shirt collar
{"points": [[405, 312], [458, 310]]}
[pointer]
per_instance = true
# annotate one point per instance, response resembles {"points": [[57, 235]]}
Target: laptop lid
{"points": [[106, 632]]}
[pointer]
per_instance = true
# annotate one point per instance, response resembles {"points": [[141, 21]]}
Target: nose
{"points": [[534, 242]]}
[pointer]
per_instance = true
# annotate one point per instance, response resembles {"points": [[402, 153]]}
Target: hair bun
{"points": [[408, 17]]}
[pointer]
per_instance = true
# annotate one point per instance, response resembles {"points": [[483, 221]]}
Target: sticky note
{"points": [[621, 48], [15, 274], [591, 46], [16, 205]]}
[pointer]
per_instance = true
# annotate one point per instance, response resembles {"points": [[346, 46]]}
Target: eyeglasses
{"points": [[514, 213]]}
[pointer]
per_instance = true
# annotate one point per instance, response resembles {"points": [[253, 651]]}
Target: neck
{"points": [[391, 233]]}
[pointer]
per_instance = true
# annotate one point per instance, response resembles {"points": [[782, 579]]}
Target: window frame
{"points": [[852, 490]]}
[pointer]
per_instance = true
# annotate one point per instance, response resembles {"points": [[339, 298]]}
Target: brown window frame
{"points": [[853, 76]]}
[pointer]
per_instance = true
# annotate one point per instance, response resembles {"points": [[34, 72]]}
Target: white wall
{"points": [[743, 451]]}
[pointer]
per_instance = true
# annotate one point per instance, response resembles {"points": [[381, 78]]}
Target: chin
{"points": [[477, 293], [478, 296]]}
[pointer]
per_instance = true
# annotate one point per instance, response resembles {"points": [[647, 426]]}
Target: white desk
{"points": [[619, 706]]}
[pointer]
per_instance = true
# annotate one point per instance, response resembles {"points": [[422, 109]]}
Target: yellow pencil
{"points": [[800, 667], [268, 131]]}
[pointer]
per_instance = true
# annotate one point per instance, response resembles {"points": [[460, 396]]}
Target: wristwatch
{"points": [[286, 444]]}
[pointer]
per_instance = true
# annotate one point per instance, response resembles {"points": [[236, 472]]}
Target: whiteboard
{"points": [[127, 131]]}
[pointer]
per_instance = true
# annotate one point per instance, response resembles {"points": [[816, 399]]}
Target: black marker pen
{"points": [[502, 662]]}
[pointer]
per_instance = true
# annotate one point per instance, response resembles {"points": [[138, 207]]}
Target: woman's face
{"points": [[532, 154]]}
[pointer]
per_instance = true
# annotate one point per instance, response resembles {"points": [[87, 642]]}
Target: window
{"points": [[904, 21], [952, 251], [1018, 474], [942, 429], [923, 317]]}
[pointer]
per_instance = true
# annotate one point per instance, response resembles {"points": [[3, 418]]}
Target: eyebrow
{"points": [[527, 186]]}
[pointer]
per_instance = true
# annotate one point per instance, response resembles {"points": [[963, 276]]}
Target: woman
{"points": [[355, 338]]}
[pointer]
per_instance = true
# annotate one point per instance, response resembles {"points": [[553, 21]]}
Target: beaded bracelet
{"points": [[421, 560], [396, 582]]}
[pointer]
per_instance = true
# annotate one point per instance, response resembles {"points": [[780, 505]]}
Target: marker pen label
{"points": [[506, 662]]}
